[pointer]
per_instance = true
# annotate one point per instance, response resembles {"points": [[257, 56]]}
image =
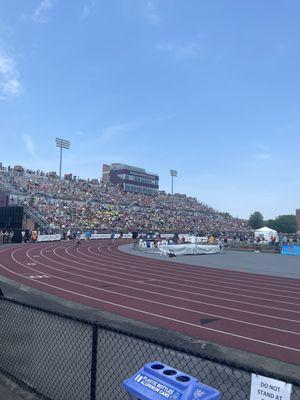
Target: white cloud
{"points": [[260, 159], [261, 156], [112, 131], [29, 145], [181, 51], [87, 9], [151, 12], [39, 15], [10, 85]]}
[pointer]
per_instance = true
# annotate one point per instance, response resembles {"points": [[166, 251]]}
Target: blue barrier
{"points": [[290, 249], [157, 381]]}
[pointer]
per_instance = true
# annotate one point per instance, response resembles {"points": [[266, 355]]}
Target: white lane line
{"points": [[210, 274], [170, 296], [158, 315], [6, 249], [39, 276], [185, 291], [200, 275], [152, 285], [151, 301], [206, 281], [102, 267], [224, 281], [230, 275]]}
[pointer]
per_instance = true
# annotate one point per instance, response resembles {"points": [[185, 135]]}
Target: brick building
{"points": [[131, 179]]}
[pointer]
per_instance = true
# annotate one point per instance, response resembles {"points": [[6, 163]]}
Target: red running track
{"points": [[256, 313]]}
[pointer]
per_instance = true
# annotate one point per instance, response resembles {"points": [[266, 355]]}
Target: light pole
{"points": [[173, 174], [62, 144]]}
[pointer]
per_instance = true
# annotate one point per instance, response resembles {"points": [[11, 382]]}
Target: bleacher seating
{"points": [[80, 204]]}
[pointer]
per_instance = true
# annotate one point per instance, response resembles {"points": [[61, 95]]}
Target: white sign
{"points": [[106, 236], [127, 236], [48, 238], [159, 388], [263, 388]]}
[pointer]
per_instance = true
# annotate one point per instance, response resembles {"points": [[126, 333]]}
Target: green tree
{"points": [[286, 223], [273, 224], [225, 215], [256, 220]]}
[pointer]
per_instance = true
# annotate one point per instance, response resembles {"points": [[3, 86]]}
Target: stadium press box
{"points": [[157, 381]]}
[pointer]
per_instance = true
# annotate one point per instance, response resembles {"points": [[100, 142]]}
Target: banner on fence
{"points": [[127, 236], [97, 236], [48, 238], [185, 249], [263, 388], [192, 238], [167, 235], [290, 249], [106, 236]]}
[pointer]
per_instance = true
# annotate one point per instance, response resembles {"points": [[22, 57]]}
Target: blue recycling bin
{"points": [[157, 381]]}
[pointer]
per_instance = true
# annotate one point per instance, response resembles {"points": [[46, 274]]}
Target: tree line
{"points": [[282, 223]]}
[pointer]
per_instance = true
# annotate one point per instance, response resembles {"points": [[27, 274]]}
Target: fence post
{"points": [[94, 362]]}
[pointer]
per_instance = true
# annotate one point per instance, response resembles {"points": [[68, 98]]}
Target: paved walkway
{"points": [[11, 391]]}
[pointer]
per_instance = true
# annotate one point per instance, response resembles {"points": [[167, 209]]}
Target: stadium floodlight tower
{"points": [[173, 174], [62, 144]]}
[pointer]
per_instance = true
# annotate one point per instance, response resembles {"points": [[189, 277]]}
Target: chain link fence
{"points": [[60, 357]]}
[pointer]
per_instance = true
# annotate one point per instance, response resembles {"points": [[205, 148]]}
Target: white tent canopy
{"points": [[266, 232]]}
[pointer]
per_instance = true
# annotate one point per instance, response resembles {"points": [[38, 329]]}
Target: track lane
{"points": [[202, 270], [155, 290], [145, 283], [167, 310], [164, 299], [169, 274]]}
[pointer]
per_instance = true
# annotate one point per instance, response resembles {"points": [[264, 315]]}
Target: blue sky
{"points": [[210, 88]]}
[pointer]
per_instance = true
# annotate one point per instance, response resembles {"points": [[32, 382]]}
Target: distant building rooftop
{"points": [[115, 166], [130, 178]]}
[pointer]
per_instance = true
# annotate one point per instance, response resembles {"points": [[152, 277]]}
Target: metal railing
{"points": [[37, 218], [61, 357]]}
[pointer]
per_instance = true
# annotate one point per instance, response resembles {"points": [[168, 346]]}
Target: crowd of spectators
{"points": [[89, 204], [6, 236]]}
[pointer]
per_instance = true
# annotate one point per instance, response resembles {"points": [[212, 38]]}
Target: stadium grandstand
{"points": [[72, 203]]}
